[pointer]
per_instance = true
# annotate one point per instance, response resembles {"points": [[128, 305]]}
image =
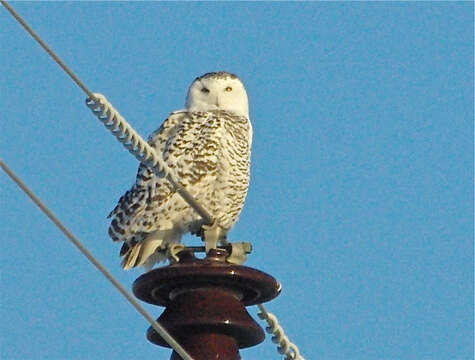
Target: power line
{"points": [[158, 164], [159, 328], [47, 48], [151, 156], [285, 346]]}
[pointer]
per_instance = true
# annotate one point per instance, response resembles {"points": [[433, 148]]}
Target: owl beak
{"points": [[217, 102]]}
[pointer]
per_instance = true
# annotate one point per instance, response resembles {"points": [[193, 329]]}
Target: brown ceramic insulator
{"points": [[205, 301], [210, 346]]}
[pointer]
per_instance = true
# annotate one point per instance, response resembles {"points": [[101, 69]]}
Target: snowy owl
{"points": [[208, 146]]}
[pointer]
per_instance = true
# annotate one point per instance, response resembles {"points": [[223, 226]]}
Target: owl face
{"points": [[218, 91]]}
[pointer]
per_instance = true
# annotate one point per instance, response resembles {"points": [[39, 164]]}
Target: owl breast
{"points": [[210, 153]]}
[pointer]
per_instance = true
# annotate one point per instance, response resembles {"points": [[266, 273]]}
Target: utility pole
{"points": [[205, 301]]}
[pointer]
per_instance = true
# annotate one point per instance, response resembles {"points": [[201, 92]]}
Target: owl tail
{"points": [[140, 253], [150, 250]]}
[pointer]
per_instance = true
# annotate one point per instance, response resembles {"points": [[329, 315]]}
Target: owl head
{"points": [[218, 91]]}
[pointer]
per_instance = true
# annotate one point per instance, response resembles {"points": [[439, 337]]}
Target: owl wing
{"points": [[129, 220]]}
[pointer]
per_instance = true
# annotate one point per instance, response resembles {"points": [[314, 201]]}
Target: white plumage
{"points": [[208, 145]]}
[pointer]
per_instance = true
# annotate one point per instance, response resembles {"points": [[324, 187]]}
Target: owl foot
{"points": [[212, 234], [173, 250]]}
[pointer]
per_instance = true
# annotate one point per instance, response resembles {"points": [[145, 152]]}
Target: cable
{"points": [[285, 346], [47, 48], [159, 328]]}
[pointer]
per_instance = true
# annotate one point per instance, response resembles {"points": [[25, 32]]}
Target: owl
{"points": [[208, 147]]}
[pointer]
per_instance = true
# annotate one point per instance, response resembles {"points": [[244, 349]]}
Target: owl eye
{"points": [[205, 90], [229, 88]]}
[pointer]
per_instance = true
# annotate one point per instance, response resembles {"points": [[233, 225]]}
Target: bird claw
{"points": [[173, 250], [212, 234]]}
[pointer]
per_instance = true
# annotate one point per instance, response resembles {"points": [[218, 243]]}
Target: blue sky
{"points": [[361, 198]]}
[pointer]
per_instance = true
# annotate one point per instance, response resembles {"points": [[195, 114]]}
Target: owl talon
{"points": [[212, 234], [173, 250]]}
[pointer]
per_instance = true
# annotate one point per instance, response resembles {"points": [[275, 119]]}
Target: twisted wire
{"points": [[122, 130], [285, 346], [138, 147]]}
